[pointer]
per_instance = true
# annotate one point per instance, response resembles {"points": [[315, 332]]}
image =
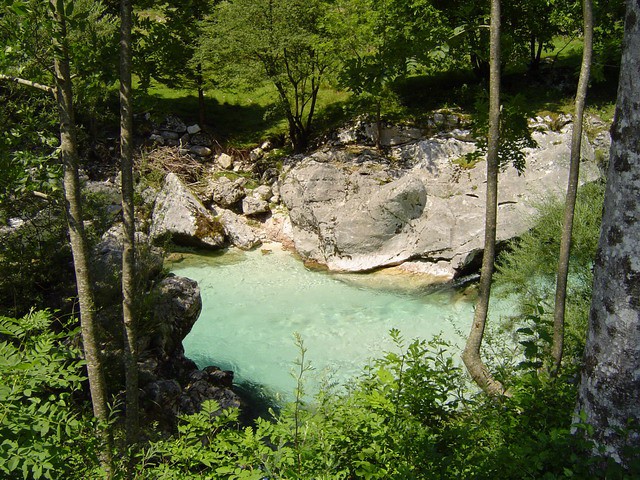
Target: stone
{"points": [[173, 124], [263, 191], [156, 138], [256, 154], [254, 206], [200, 150], [201, 138], [180, 216], [193, 129], [177, 305], [225, 161], [226, 192], [238, 230], [170, 135]]}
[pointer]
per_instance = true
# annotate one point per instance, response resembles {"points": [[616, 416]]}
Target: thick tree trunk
{"points": [[610, 383], [471, 354], [128, 252], [79, 247], [572, 190]]}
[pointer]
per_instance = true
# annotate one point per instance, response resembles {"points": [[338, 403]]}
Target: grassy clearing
{"points": [[240, 118], [243, 119]]}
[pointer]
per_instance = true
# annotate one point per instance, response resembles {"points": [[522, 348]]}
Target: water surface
{"points": [[253, 302]]}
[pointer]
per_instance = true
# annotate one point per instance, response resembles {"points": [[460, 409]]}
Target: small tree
{"points": [[471, 354], [572, 189], [79, 246], [168, 47], [377, 41], [128, 248], [278, 41]]}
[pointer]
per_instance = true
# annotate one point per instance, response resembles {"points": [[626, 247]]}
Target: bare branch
{"points": [[29, 83]]}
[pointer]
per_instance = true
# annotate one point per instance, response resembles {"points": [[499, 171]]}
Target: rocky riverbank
{"points": [[417, 203]]}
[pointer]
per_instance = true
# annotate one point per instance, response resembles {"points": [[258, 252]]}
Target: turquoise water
{"points": [[253, 302]]}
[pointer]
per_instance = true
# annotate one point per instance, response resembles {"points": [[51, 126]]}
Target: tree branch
{"points": [[29, 83]]}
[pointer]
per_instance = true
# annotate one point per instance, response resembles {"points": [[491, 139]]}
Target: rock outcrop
{"points": [[181, 217], [359, 211], [171, 384]]}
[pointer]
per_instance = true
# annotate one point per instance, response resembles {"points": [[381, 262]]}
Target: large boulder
{"points": [[358, 212], [177, 305], [181, 217]]}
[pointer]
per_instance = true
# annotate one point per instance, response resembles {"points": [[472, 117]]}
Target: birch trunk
{"points": [[79, 246]]}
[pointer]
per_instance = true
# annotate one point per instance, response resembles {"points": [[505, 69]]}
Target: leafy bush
{"points": [[528, 269], [409, 416], [43, 433]]}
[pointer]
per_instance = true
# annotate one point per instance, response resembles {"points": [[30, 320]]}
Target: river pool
{"points": [[254, 302]]}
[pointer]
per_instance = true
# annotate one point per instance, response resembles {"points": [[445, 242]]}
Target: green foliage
{"points": [[167, 43], [276, 41], [379, 41], [27, 145], [409, 416], [43, 434], [529, 267], [515, 134]]}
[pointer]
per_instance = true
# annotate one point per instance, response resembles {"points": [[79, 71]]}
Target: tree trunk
{"points": [[79, 247], [572, 190], [379, 124], [471, 354], [610, 382], [128, 251], [202, 109]]}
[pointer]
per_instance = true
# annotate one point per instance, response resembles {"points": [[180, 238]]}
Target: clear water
{"points": [[253, 302]]}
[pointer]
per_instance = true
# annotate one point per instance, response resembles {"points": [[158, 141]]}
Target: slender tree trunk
{"points": [[128, 251], [471, 354], [610, 383], [572, 190], [78, 240], [379, 124], [202, 111]]}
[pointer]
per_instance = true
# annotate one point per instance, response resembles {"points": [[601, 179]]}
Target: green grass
{"points": [[242, 119]]}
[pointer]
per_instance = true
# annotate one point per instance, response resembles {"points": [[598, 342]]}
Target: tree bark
{"points": [[79, 246], [610, 382], [128, 250], [572, 190], [471, 354]]}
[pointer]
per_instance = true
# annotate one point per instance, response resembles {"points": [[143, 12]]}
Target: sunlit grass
{"points": [[240, 118], [244, 118]]}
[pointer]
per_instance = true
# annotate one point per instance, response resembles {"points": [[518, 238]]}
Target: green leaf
{"points": [[13, 462], [19, 8]]}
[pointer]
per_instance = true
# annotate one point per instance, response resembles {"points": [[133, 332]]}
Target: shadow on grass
{"points": [[233, 123], [549, 89]]}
